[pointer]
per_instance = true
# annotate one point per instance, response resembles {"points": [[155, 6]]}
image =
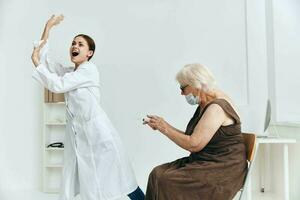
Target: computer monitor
{"points": [[267, 132], [268, 116]]}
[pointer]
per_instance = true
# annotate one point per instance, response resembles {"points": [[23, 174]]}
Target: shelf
{"points": [[55, 123], [52, 190], [54, 149], [54, 166], [55, 103]]}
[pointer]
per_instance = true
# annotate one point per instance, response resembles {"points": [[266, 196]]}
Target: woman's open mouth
{"points": [[75, 54]]}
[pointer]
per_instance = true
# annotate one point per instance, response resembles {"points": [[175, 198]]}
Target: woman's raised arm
{"points": [[53, 21]]}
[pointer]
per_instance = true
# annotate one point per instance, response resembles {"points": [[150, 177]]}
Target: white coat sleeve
{"points": [[54, 67], [82, 77]]}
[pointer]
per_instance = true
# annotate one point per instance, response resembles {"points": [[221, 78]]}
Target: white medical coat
{"points": [[95, 163]]}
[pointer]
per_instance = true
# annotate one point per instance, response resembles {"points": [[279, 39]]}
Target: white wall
{"points": [[284, 39], [20, 102], [283, 47], [140, 47]]}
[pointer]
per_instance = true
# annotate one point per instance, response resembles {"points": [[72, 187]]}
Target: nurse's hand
{"points": [[157, 123], [35, 57], [54, 20]]}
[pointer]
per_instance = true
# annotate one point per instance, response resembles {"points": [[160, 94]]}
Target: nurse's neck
{"points": [[78, 64]]}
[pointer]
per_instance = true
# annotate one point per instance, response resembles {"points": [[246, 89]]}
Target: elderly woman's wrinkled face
{"points": [[187, 89], [192, 95]]}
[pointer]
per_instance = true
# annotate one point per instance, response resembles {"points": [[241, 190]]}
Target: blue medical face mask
{"points": [[191, 99]]}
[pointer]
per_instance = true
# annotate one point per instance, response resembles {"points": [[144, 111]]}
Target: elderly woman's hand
{"points": [[157, 123]]}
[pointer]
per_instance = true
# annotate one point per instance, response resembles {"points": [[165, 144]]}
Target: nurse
{"points": [[95, 163]]}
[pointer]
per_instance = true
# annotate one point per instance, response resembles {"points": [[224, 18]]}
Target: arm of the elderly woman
{"points": [[210, 122]]}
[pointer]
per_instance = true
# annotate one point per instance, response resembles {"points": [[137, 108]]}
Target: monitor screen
{"points": [[268, 116]]}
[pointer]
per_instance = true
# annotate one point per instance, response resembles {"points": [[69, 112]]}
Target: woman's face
{"points": [[79, 51], [187, 89]]}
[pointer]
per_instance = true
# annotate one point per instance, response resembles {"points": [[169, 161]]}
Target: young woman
{"points": [[95, 164]]}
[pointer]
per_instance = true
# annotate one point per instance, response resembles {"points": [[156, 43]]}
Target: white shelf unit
{"points": [[53, 131]]}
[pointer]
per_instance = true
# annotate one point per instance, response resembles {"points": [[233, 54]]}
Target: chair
{"points": [[250, 142]]}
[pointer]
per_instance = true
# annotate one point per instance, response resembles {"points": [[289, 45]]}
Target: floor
{"points": [[33, 195], [260, 196], [37, 195]]}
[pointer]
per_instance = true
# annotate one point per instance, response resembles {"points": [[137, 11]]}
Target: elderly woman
{"points": [[216, 167]]}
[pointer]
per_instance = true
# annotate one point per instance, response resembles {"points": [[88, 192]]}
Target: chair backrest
{"points": [[250, 142]]}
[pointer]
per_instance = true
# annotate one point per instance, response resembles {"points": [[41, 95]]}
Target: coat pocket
{"points": [[98, 130]]}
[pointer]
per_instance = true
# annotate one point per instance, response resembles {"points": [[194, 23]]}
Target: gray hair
{"points": [[197, 76]]}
